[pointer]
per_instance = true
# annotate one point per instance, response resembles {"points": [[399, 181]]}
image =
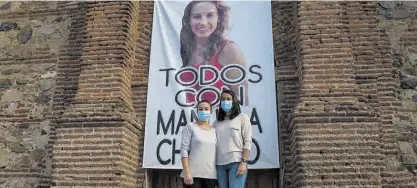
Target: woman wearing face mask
{"points": [[198, 150], [234, 135]]}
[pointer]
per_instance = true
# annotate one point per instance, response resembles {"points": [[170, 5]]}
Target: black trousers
{"points": [[202, 183]]}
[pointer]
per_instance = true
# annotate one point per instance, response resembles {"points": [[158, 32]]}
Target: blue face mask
{"points": [[226, 105], [203, 115]]}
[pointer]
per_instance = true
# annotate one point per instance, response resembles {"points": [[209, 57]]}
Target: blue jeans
{"points": [[226, 176]]}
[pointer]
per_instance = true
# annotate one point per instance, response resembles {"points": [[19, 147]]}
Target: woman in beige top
{"points": [[234, 138]]}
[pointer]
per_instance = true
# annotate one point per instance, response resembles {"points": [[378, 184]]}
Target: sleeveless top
{"points": [[208, 95]]}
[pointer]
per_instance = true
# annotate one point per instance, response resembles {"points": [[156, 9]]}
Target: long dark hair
{"points": [[187, 38], [234, 112]]}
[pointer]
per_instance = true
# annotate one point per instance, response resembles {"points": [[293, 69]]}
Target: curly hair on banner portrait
{"points": [[205, 47], [187, 37]]}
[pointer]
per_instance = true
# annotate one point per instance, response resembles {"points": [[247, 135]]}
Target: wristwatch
{"points": [[244, 160]]}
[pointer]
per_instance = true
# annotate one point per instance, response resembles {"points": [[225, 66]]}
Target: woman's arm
{"points": [[185, 148], [247, 143], [188, 178], [247, 136], [231, 54]]}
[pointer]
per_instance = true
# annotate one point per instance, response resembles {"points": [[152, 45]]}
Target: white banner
{"points": [[199, 48]]}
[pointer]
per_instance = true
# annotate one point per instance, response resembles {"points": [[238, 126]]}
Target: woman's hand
{"points": [[188, 179], [241, 170]]}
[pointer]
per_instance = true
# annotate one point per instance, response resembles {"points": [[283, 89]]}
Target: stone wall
{"points": [[31, 37], [398, 20], [66, 100], [73, 85]]}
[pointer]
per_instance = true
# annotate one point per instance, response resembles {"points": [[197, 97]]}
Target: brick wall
{"points": [[285, 32], [342, 129], [97, 136], [140, 75]]}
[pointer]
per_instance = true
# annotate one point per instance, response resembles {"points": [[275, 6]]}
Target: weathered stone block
{"points": [[4, 157], [6, 6], [11, 96], [408, 155]]}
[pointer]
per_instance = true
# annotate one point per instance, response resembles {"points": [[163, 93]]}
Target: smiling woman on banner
{"points": [[203, 44], [198, 150], [234, 135]]}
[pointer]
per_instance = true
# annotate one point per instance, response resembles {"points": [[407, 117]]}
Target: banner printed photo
{"points": [[198, 49]]}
